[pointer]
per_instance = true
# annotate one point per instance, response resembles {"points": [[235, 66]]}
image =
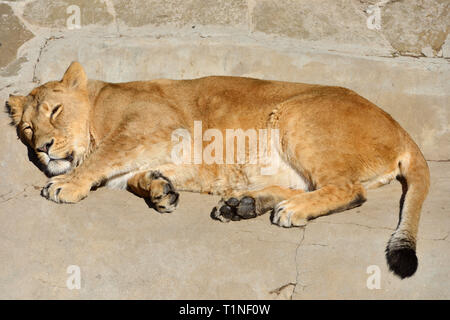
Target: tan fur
{"points": [[334, 143]]}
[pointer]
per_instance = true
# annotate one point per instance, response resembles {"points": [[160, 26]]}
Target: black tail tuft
{"points": [[402, 261]]}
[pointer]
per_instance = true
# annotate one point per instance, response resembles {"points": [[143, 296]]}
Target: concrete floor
{"points": [[126, 250]]}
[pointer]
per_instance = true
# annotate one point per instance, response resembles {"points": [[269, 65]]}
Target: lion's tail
{"points": [[401, 249]]}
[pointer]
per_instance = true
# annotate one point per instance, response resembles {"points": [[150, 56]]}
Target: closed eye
{"points": [[28, 131], [56, 111]]}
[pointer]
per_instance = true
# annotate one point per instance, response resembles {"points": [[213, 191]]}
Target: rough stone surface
{"points": [[55, 14], [327, 240], [446, 47], [125, 249], [137, 13], [417, 27], [340, 21], [12, 34]]}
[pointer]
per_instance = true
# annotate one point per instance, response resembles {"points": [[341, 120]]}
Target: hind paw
{"points": [[235, 209]]}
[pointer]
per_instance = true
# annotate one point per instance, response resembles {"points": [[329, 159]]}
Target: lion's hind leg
{"points": [[330, 198], [239, 205]]}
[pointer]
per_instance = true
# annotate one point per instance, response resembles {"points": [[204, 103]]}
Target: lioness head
{"points": [[53, 120]]}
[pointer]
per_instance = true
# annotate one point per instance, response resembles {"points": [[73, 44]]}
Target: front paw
{"points": [[64, 189], [162, 195], [285, 214]]}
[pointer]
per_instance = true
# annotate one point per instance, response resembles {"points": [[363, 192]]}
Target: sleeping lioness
{"points": [[333, 146]]}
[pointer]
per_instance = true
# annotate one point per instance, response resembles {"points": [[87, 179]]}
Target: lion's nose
{"points": [[45, 147]]}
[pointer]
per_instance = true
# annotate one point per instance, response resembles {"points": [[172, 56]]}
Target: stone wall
{"points": [[395, 53]]}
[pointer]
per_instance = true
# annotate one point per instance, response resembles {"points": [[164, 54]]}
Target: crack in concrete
{"points": [[297, 276], [374, 228], [5, 194], [354, 224], [7, 86], [297, 282], [12, 197], [444, 238], [316, 244], [46, 42]]}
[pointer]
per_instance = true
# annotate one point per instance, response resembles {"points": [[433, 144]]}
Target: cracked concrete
{"points": [[347, 258], [44, 45], [126, 250]]}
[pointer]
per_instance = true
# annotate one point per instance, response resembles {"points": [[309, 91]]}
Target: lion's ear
{"points": [[75, 77], [14, 106]]}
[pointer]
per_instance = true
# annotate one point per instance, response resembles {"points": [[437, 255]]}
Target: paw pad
{"points": [[235, 209]]}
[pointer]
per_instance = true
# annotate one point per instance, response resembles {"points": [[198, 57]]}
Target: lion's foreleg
{"points": [[160, 185], [105, 162]]}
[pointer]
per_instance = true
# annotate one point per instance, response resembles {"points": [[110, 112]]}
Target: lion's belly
{"points": [[119, 182], [217, 179], [284, 176]]}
